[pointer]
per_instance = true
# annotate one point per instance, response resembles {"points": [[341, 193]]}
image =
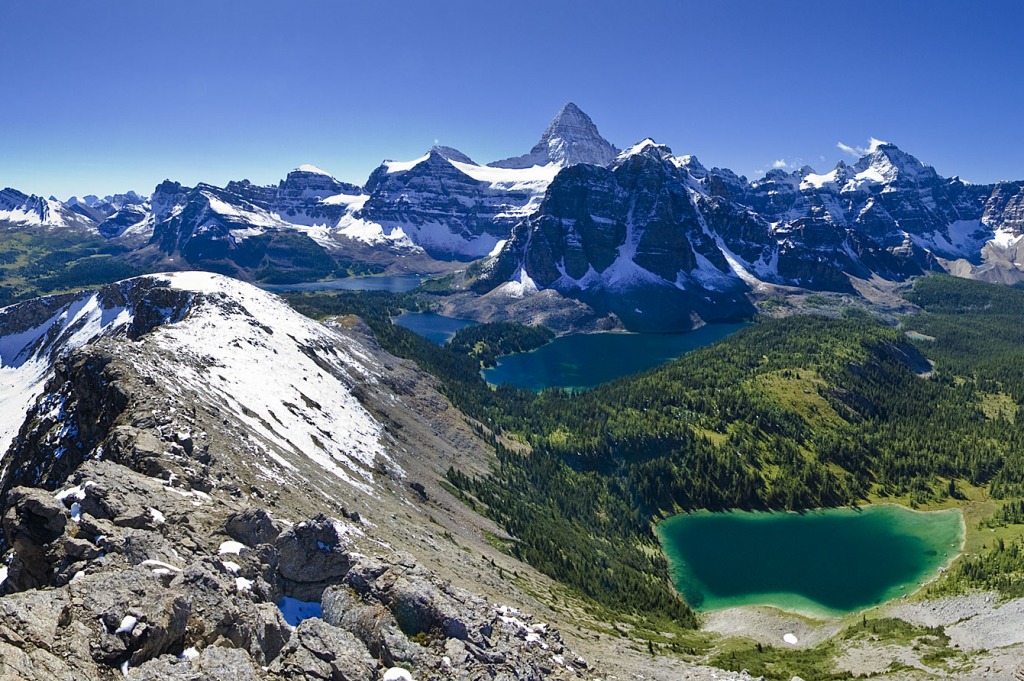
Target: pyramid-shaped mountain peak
{"points": [[571, 138]]}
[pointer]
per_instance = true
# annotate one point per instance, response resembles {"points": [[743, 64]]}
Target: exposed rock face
{"points": [[628, 240], [710, 231], [571, 138], [299, 197], [441, 208]]}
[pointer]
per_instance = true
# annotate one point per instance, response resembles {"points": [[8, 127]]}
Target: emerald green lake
{"points": [[828, 562], [588, 359]]}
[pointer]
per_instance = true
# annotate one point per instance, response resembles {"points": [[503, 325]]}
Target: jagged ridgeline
{"points": [[655, 238]]}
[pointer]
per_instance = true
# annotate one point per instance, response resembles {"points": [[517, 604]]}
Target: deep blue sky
{"points": [[109, 95]]}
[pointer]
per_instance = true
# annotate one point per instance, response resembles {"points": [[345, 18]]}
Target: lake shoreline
{"points": [[801, 604]]}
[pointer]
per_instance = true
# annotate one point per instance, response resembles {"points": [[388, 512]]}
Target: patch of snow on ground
{"points": [[374, 233], [231, 566], [439, 235], [253, 218], [160, 567], [230, 547], [127, 625], [534, 178], [812, 180], [309, 168], [964, 240], [1004, 238], [520, 286], [353, 202]]}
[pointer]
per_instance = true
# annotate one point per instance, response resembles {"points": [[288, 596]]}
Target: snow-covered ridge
{"points": [[225, 343], [265, 362], [308, 168]]}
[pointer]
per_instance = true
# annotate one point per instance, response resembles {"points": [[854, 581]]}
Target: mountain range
{"points": [[656, 238]]}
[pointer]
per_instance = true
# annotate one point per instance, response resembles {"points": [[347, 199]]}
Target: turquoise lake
{"points": [[585, 360], [828, 562], [397, 284], [434, 327]]}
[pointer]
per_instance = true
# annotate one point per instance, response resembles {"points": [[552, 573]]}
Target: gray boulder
{"points": [[254, 527], [312, 555], [33, 523], [321, 651], [371, 623]]}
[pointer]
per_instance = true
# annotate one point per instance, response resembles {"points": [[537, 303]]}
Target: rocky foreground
{"points": [[123, 575]]}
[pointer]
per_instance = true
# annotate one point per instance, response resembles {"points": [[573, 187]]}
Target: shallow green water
{"points": [[826, 562], [432, 326], [586, 360]]}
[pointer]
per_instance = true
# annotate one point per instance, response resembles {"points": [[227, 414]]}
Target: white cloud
{"points": [[857, 152], [781, 163]]}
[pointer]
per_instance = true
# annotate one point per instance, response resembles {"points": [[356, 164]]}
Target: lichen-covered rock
{"points": [[212, 664], [373, 624], [318, 650], [134, 617], [312, 555], [253, 527], [33, 524]]}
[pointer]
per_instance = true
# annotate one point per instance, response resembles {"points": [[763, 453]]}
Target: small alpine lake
{"points": [[436, 328], [584, 360], [822, 563], [395, 284]]}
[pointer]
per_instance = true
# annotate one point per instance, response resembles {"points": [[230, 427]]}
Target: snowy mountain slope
{"points": [[209, 340], [445, 204], [628, 239], [36, 334]]}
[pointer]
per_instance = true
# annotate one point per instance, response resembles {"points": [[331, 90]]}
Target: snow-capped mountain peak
{"points": [[571, 138], [646, 146], [451, 154], [886, 163], [312, 169]]}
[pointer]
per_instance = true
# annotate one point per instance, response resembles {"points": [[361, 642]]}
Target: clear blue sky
{"points": [[109, 95]]}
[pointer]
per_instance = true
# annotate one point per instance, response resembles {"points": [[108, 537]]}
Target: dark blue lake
{"points": [[396, 284], [436, 328], [586, 360]]}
